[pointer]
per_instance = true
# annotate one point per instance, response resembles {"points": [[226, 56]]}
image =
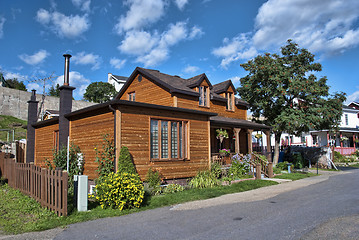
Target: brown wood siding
{"points": [[148, 92], [135, 135], [44, 143], [184, 101], [88, 133]]}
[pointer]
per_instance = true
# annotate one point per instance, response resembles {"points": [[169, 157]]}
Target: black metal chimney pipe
{"points": [[31, 118], [65, 104]]}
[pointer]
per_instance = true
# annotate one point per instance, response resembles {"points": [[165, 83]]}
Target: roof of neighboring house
{"points": [[53, 112], [341, 129], [120, 78], [349, 108], [234, 122], [176, 84]]}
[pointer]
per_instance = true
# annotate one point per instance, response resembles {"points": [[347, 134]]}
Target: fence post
{"points": [[258, 171], [270, 169]]}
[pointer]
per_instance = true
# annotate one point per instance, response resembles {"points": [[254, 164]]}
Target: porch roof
{"points": [[341, 129], [238, 123]]}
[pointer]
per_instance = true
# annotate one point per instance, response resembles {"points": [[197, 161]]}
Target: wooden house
{"points": [[167, 122]]}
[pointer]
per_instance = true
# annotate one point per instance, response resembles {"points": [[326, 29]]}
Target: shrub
{"points": [[282, 166], [240, 166], [204, 179], [105, 158], [173, 188], [120, 191], [298, 161], [125, 163], [153, 178], [59, 160], [339, 157], [216, 170]]}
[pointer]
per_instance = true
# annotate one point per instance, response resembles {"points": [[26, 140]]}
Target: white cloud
{"points": [[84, 5], [191, 69], [196, 32], [117, 63], [140, 14], [324, 27], [62, 25], [234, 49], [235, 79], [18, 76], [2, 21], [138, 42], [36, 58], [83, 58], [152, 49], [76, 80], [354, 97], [35, 86], [181, 3]]}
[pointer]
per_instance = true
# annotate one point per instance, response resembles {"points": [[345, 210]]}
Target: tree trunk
{"points": [[276, 147]]}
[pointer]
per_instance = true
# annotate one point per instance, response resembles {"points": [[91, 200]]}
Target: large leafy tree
{"points": [[285, 92], [99, 92]]}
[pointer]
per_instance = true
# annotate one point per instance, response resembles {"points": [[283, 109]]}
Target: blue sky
{"points": [[178, 37]]}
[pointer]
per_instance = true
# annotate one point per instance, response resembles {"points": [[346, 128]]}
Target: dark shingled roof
{"points": [[240, 123], [222, 86], [120, 77], [176, 84]]}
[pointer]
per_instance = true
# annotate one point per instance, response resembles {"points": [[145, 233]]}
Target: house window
{"points": [[56, 140], [168, 139], [132, 96], [346, 119], [229, 97], [203, 93]]}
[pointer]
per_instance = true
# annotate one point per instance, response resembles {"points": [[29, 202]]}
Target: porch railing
{"points": [[345, 150]]}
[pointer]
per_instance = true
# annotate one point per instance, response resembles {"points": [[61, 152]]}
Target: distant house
{"points": [[346, 140], [50, 114], [167, 122], [116, 81]]}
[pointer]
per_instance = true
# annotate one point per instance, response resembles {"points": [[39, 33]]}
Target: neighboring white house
{"points": [[116, 81], [345, 141]]}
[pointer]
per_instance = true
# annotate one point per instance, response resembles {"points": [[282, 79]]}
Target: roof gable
{"points": [[223, 87], [196, 81]]}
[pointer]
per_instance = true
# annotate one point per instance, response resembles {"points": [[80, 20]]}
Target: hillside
{"points": [[10, 123]]}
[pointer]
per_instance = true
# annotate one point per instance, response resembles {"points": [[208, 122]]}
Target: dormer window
{"points": [[229, 97], [203, 96], [132, 96]]}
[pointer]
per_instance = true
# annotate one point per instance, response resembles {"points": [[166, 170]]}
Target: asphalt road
{"points": [[325, 207]]}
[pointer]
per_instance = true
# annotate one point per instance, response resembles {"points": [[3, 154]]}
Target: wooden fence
{"points": [[48, 187]]}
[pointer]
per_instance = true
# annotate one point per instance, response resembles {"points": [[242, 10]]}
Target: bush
{"points": [[120, 191], [204, 179], [153, 179], [282, 166], [216, 170], [339, 157], [173, 188], [298, 161], [105, 158], [59, 160], [240, 167], [125, 163]]}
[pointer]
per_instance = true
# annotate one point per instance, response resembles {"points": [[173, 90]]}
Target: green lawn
{"points": [[9, 122], [19, 213], [295, 176]]}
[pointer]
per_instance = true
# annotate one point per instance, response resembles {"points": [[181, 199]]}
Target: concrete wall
{"points": [[14, 103]]}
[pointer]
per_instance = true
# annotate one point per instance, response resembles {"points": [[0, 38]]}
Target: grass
{"points": [[10, 122], [295, 176], [20, 213]]}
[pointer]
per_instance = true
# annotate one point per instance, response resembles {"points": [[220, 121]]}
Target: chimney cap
{"points": [[67, 55]]}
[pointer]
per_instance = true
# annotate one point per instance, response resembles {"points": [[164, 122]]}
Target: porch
{"points": [[346, 141], [239, 138]]}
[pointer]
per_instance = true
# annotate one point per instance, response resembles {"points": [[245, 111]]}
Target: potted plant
{"points": [[221, 134], [344, 139], [224, 152]]}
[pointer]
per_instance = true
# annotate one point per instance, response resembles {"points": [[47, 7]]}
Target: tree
{"points": [[284, 90], [54, 91], [13, 83], [99, 92]]}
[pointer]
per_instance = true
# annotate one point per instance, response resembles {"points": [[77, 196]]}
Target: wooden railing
{"points": [[263, 166], [48, 187]]}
